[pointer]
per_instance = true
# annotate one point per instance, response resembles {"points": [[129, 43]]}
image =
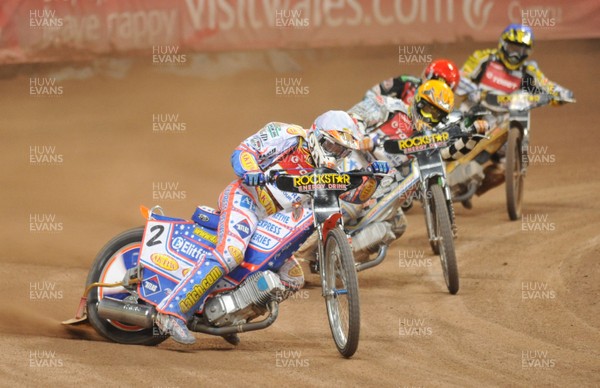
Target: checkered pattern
{"points": [[460, 148]]}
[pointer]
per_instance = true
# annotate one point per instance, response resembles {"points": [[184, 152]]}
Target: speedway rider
{"points": [[505, 70], [432, 103], [403, 87], [248, 199]]}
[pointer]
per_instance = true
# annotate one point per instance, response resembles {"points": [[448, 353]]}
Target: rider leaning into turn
{"points": [[505, 70], [249, 199]]}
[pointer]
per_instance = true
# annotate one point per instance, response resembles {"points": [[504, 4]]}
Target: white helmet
{"points": [[333, 136]]}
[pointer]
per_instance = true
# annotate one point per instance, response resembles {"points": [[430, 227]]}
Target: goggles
{"points": [[516, 50], [334, 149], [430, 113]]}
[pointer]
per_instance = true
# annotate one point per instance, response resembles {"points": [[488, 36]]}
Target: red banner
{"points": [[52, 30]]}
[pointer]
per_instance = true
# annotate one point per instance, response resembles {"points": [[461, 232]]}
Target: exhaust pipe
{"points": [[242, 327], [130, 313]]}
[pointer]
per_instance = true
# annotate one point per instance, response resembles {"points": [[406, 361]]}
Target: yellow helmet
{"points": [[432, 102]]}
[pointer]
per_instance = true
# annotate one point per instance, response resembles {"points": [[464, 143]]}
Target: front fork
{"points": [[521, 121], [427, 205]]}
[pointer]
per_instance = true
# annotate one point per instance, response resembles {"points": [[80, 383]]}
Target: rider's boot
{"points": [[175, 327], [399, 223], [494, 176], [308, 252]]}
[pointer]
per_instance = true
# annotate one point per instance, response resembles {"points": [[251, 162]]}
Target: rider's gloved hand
{"points": [[366, 144], [369, 143], [480, 126], [562, 96], [474, 96], [379, 167], [254, 178]]}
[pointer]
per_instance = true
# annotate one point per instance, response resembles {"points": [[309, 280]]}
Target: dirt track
{"points": [[493, 333]]}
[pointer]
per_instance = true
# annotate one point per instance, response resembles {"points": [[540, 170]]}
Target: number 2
{"points": [[154, 239]]}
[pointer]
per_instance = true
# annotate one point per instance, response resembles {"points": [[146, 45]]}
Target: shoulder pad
{"points": [[475, 61], [531, 65]]}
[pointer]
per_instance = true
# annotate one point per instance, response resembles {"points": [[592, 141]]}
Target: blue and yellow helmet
{"points": [[515, 45]]}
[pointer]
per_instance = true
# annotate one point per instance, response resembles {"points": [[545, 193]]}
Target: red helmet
{"points": [[443, 69]]}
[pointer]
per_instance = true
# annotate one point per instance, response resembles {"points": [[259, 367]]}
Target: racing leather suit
{"points": [[484, 70], [277, 145]]}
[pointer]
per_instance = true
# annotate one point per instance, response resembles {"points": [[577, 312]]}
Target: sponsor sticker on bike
{"points": [[368, 190], [165, 262], [203, 234], [151, 286], [424, 142], [321, 182]]}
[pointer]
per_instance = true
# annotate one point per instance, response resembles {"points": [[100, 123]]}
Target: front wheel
{"points": [[444, 238], [341, 292], [118, 255], [514, 174]]}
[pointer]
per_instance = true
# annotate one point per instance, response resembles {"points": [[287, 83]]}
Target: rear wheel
{"points": [[118, 255], [514, 174], [341, 292], [445, 239]]}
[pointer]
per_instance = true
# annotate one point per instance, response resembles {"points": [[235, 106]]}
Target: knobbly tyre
{"points": [[434, 193], [136, 269], [512, 116]]}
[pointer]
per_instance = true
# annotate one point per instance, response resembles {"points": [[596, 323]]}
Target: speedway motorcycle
{"points": [[139, 267], [434, 192], [512, 113]]}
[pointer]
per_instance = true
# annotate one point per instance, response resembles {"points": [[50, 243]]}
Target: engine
{"points": [[246, 302], [465, 173]]}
